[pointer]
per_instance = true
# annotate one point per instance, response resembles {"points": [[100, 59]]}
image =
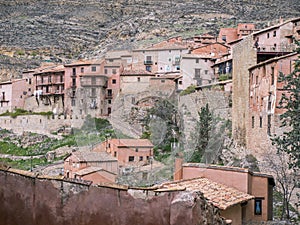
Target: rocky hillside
{"points": [[62, 29]]}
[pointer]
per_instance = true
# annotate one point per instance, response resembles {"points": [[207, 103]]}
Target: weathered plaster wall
{"points": [[39, 124], [26, 199], [244, 56]]}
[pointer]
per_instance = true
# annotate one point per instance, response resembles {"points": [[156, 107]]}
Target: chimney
{"points": [[178, 168]]}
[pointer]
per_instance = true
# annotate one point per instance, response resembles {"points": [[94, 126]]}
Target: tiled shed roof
{"points": [[219, 195], [132, 142], [89, 170], [87, 156]]}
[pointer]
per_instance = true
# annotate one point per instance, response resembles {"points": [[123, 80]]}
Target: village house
{"points": [[258, 185], [258, 47], [49, 88], [93, 166], [227, 35], [160, 57], [13, 94], [86, 85], [265, 94], [128, 151]]}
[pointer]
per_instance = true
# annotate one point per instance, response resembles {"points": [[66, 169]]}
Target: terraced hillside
{"points": [[62, 29]]}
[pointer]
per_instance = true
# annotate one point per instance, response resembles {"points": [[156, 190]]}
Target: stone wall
{"points": [[39, 124], [244, 56], [27, 198]]}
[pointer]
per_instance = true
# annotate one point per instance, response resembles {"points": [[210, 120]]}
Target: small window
{"points": [[256, 80], [269, 125], [93, 68], [253, 121], [272, 75], [74, 72], [148, 68], [73, 102], [109, 101], [206, 72], [274, 33], [268, 35], [114, 71], [205, 60], [29, 80], [105, 71], [260, 121], [258, 206], [138, 79], [141, 158], [180, 82], [131, 158], [162, 81], [224, 38], [115, 154], [136, 150], [197, 60], [114, 81], [82, 69]]}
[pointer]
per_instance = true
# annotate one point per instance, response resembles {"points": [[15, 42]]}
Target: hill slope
{"points": [[52, 29]]}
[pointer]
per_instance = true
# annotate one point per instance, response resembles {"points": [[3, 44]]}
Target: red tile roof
{"points": [[219, 195], [132, 142], [87, 156]]}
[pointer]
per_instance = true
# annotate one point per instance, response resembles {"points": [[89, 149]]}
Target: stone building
{"points": [[93, 166], [85, 91], [49, 88], [227, 35], [13, 94], [265, 94], [161, 57], [258, 185], [129, 151], [258, 47]]}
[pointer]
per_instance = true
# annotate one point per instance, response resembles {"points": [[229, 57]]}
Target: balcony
{"points": [[108, 96], [274, 48], [148, 62]]}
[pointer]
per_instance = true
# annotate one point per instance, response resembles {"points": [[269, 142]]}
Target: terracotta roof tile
{"points": [[132, 142], [87, 156], [90, 169], [219, 195]]}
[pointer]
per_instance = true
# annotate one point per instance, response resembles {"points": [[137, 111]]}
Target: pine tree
{"points": [[202, 133]]}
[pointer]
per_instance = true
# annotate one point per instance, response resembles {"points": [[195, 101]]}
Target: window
{"points": [[197, 73], [29, 81], [105, 71], [253, 121], [114, 71], [82, 69], [205, 60], [258, 206], [272, 75], [141, 158], [269, 125], [206, 72], [180, 82], [148, 68], [29, 89], [74, 72], [93, 68], [274, 33], [115, 154], [256, 80], [93, 92], [224, 38], [93, 80], [162, 81], [109, 101], [268, 35], [114, 81], [131, 158], [260, 121], [136, 150], [138, 79], [73, 102], [197, 60]]}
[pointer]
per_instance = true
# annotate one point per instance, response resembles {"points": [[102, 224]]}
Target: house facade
{"points": [[93, 166], [258, 185], [258, 47], [265, 94], [129, 151]]}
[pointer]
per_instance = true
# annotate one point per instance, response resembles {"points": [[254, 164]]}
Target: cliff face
{"points": [[59, 29]]}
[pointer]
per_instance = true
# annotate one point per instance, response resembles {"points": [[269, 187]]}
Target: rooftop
{"points": [[87, 156], [217, 194], [132, 142], [89, 170]]}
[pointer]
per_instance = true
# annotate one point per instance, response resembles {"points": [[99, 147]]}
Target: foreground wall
{"points": [[39, 124], [26, 198]]}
